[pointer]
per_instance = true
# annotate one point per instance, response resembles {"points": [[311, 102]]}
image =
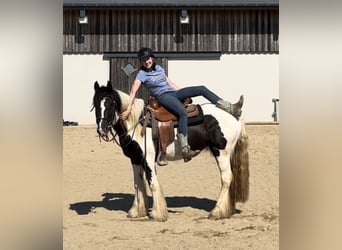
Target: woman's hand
{"points": [[126, 113]]}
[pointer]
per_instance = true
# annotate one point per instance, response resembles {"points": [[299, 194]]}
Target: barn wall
{"points": [[79, 74], [247, 38], [257, 77], [126, 30]]}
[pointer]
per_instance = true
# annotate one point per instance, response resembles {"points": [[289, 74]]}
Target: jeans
{"points": [[173, 102]]}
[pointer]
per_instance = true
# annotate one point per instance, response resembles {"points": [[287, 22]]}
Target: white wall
{"points": [[255, 76], [79, 74]]}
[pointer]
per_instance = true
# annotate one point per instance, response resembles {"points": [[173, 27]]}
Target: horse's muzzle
{"points": [[102, 132]]}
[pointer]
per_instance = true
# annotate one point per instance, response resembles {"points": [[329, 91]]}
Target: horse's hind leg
{"points": [[140, 205], [225, 205]]}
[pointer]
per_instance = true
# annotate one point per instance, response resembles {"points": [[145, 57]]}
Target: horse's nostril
{"points": [[103, 131]]}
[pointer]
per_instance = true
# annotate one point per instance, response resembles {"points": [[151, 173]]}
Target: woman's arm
{"points": [[134, 89], [171, 83]]}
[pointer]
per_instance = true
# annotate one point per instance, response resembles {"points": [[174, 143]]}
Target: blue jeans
{"points": [[173, 102]]}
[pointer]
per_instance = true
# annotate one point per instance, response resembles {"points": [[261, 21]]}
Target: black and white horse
{"points": [[220, 132]]}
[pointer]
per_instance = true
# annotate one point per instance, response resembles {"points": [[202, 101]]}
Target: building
{"points": [[230, 46]]}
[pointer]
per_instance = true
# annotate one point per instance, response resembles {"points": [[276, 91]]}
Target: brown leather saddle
{"points": [[162, 115], [163, 122]]}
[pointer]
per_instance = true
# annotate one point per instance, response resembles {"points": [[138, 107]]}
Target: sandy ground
{"points": [[98, 191]]}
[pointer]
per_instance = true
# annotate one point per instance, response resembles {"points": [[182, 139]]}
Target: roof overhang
{"points": [[169, 4], [212, 55]]}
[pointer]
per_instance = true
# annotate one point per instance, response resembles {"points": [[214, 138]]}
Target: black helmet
{"points": [[145, 52]]}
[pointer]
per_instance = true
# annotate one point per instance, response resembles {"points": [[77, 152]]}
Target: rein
{"points": [[121, 136], [114, 135], [119, 130]]}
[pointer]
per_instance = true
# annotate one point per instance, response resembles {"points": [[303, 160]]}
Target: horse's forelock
{"points": [[103, 92]]}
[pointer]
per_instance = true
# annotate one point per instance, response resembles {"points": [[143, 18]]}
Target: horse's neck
{"points": [[133, 119], [124, 100]]}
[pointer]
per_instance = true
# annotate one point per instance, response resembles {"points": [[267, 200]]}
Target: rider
{"points": [[168, 94]]}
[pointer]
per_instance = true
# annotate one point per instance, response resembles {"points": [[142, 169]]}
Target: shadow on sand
{"points": [[123, 202]]}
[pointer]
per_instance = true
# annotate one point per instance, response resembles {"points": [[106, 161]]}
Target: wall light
{"points": [[83, 19], [184, 18]]}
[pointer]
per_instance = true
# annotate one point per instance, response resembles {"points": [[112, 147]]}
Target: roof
{"points": [[169, 3]]}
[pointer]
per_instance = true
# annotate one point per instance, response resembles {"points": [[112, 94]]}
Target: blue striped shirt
{"points": [[155, 81]]}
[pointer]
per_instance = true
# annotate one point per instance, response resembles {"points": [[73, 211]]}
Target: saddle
{"points": [[163, 123], [162, 115]]}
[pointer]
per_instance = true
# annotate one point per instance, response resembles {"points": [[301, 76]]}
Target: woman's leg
{"points": [[176, 107], [233, 109], [172, 104], [197, 91]]}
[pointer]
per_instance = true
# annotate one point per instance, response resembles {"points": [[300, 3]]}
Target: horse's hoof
{"points": [[132, 215], [215, 214], [135, 214], [161, 218], [212, 216]]}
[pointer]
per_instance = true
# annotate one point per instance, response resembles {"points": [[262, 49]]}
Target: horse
{"points": [[222, 134]]}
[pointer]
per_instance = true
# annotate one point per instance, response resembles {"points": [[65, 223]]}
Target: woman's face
{"points": [[147, 62]]}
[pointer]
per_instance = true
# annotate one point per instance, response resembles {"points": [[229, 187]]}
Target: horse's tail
{"points": [[239, 188]]}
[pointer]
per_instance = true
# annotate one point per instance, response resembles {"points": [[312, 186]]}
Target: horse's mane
{"points": [[136, 113]]}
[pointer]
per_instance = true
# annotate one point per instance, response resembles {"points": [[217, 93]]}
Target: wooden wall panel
{"points": [[228, 31]]}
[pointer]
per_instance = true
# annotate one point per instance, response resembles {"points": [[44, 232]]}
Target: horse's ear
{"points": [[96, 86], [109, 85]]}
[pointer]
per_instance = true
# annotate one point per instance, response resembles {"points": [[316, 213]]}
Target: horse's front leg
{"points": [[140, 205], [159, 209]]}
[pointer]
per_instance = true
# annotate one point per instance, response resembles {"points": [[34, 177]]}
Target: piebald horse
{"points": [[220, 132]]}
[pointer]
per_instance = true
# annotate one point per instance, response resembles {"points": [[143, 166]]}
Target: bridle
{"points": [[109, 123], [123, 137], [111, 128]]}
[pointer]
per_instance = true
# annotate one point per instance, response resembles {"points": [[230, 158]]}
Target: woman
{"points": [[169, 95]]}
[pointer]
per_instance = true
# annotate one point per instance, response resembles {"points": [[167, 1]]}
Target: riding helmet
{"points": [[145, 52]]}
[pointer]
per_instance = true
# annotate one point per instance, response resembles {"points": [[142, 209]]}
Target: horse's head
{"points": [[107, 106]]}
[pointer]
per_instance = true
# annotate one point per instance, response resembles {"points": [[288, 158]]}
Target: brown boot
{"points": [[186, 151], [233, 109]]}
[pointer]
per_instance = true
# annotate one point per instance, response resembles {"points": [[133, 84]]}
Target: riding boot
{"points": [[186, 151], [233, 109], [161, 159]]}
